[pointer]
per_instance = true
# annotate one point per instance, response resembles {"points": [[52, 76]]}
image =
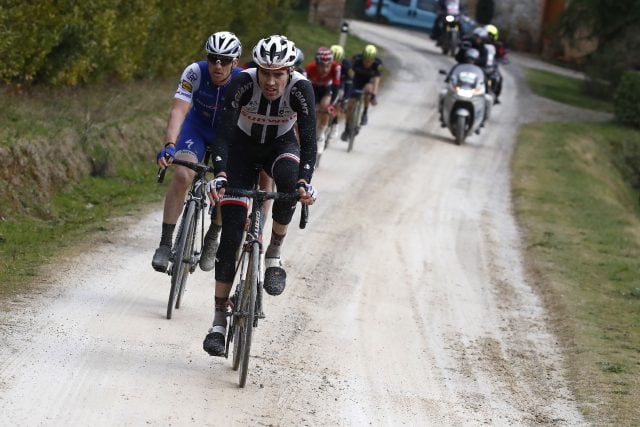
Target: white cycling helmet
{"points": [[223, 43], [275, 52]]}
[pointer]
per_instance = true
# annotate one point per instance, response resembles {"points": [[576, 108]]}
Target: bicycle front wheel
{"points": [[247, 307], [179, 269], [187, 255]]}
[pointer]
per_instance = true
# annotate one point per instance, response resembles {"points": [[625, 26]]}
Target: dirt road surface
{"points": [[407, 301]]}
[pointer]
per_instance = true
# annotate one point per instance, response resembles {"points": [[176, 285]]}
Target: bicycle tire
{"points": [[187, 255], [248, 306], [355, 124], [237, 324], [178, 266]]}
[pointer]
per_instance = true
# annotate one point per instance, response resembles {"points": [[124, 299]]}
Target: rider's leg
{"points": [[322, 114], [368, 91], [173, 204], [347, 119], [284, 170]]}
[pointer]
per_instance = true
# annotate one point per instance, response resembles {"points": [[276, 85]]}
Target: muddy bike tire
{"points": [[187, 256], [460, 130], [178, 270], [248, 306]]}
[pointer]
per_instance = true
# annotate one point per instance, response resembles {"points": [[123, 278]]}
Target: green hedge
{"points": [[627, 99], [65, 42]]}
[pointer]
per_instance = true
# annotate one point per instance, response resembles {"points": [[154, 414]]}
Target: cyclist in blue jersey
{"points": [[367, 69], [261, 109], [191, 128]]}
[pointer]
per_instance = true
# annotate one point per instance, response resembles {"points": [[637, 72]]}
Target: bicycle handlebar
{"points": [[197, 167], [270, 195]]}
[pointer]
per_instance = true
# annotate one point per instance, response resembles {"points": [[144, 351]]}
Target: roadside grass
{"points": [[116, 125], [581, 223], [567, 90]]}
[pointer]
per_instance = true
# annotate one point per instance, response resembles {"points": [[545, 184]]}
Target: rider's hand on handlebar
{"points": [[308, 194], [215, 188], [165, 156]]}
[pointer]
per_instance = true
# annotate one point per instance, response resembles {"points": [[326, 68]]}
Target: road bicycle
{"points": [[328, 134], [356, 118], [246, 306], [186, 250]]}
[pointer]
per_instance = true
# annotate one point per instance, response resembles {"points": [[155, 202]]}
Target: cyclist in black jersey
{"points": [[366, 80], [257, 127]]}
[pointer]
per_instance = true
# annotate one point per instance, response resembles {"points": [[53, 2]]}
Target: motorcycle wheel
{"points": [[460, 129]]}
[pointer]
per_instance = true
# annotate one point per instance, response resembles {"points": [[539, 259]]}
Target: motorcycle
{"points": [[450, 36], [492, 72], [464, 105]]}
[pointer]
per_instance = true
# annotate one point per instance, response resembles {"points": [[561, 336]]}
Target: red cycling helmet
{"points": [[324, 55]]}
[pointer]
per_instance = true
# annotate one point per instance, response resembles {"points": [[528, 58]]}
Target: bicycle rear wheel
{"points": [[179, 270], [247, 307]]}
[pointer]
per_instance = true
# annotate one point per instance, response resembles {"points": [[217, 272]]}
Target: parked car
{"points": [[414, 13]]}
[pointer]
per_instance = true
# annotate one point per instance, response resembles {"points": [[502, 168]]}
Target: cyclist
{"points": [[346, 81], [495, 55], [191, 127], [366, 79], [324, 74], [257, 127], [299, 60]]}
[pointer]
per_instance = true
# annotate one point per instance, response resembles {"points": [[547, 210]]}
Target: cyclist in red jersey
{"points": [[324, 75]]}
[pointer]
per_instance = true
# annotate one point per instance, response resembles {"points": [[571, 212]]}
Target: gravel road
{"points": [[407, 302]]}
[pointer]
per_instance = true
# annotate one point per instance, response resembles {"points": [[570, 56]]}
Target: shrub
{"points": [[627, 99]]}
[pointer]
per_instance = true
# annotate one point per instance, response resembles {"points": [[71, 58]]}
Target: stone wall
{"points": [[328, 13], [520, 22]]}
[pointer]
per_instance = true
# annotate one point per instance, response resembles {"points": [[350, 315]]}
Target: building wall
{"points": [[328, 13], [521, 23]]}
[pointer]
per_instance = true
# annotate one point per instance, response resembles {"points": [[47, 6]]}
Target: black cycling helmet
{"points": [[471, 56]]}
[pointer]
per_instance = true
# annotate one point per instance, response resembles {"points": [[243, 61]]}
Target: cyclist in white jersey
{"points": [[262, 106]]}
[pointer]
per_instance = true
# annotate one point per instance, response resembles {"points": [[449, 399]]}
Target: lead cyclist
{"points": [[257, 127]]}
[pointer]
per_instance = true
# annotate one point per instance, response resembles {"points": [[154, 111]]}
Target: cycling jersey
{"points": [[363, 75], [199, 127], [346, 79], [331, 78], [248, 115]]}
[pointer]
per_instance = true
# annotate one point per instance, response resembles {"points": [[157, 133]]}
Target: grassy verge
{"points": [[581, 221], [567, 90], [108, 132]]}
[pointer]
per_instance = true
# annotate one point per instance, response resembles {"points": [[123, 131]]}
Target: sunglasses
{"points": [[224, 60]]}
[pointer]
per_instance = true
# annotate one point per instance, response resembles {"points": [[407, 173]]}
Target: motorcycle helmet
{"points": [[492, 30], [480, 33], [274, 52], [471, 56]]}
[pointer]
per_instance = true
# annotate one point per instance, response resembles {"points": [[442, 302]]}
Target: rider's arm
{"points": [[179, 110], [238, 94], [376, 78], [303, 103]]}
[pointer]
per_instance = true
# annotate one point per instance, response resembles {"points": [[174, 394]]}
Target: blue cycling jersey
{"points": [[199, 127]]}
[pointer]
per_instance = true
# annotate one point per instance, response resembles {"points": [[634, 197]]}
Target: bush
{"points": [[66, 43], [627, 99]]}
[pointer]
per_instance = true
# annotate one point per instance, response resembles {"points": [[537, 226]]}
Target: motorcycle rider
{"points": [[471, 57], [476, 40], [495, 55], [191, 127], [445, 7]]}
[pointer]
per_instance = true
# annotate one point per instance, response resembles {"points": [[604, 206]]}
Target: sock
{"points": [[220, 316], [214, 231], [364, 112], [167, 234], [273, 251]]}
